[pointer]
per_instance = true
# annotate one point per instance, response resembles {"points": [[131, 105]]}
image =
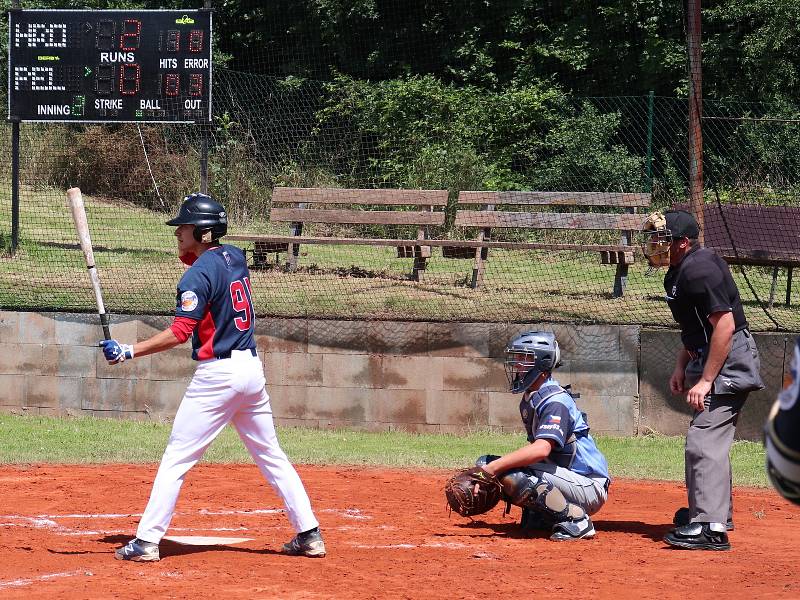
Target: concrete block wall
{"points": [[424, 377], [430, 377]]}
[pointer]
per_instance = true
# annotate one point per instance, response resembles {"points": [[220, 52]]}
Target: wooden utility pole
{"points": [[693, 47]]}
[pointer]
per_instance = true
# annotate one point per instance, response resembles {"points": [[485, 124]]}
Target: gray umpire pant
{"points": [[708, 465], [710, 436]]}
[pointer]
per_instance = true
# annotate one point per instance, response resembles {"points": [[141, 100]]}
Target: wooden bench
{"points": [[300, 207], [516, 214], [767, 236]]}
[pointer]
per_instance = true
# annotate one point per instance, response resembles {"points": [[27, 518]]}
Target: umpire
{"points": [[716, 369]]}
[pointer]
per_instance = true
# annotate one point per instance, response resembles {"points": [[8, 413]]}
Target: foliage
{"points": [[753, 50], [109, 161], [422, 131]]}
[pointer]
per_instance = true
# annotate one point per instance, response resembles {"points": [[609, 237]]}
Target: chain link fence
{"points": [[270, 132]]}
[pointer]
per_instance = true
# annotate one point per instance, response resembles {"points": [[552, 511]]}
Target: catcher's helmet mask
{"points": [[206, 214], [528, 355]]}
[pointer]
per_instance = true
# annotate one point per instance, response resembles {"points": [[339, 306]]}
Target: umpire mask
{"points": [[528, 355], [656, 240]]}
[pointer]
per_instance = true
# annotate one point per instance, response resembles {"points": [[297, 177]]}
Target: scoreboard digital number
{"points": [[86, 66]]}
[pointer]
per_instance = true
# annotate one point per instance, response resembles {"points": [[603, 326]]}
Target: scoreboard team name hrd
{"points": [[109, 65]]}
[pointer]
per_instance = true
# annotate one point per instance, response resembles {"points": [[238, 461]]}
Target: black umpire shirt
{"points": [[697, 287]]}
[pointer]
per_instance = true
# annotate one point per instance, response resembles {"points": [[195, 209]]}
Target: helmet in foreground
{"points": [[528, 355], [206, 214]]}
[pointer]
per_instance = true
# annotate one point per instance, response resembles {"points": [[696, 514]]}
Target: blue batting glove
{"points": [[115, 352]]}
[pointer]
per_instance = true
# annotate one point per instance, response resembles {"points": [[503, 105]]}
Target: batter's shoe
{"points": [[684, 517], [138, 551], [568, 531], [699, 536], [306, 544]]}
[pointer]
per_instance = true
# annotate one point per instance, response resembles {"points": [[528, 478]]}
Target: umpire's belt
{"points": [[231, 352]]}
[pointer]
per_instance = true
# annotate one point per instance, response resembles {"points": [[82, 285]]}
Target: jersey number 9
{"points": [[240, 298]]}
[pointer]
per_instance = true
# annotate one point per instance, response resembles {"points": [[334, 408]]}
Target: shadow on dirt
{"points": [[169, 548]]}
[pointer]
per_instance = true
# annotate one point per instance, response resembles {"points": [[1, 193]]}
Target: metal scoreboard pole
{"points": [[14, 174], [204, 133]]}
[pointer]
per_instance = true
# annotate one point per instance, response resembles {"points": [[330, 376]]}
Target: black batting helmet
{"points": [[206, 214]]}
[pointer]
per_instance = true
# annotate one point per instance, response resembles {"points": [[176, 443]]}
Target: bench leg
{"points": [[478, 268], [481, 255], [419, 266], [620, 280], [292, 257], [788, 286], [773, 286]]}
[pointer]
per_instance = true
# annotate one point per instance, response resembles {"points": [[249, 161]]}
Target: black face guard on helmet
{"points": [[206, 214], [529, 355]]}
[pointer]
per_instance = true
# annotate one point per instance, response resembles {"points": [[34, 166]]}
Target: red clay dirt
{"points": [[388, 535]]}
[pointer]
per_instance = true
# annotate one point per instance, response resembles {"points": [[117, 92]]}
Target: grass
{"points": [[87, 440], [135, 254]]}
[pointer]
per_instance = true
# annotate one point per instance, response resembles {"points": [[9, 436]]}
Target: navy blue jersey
{"points": [[215, 291]]}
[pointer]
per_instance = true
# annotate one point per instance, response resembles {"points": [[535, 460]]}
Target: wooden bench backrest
{"points": [[768, 233], [489, 217], [325, 205]]}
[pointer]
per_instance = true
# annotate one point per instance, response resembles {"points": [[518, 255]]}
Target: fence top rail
{"points": [[380, 197], [616, 199]]}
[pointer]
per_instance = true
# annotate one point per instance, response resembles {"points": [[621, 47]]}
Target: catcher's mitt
{"points": [[472, 491]]}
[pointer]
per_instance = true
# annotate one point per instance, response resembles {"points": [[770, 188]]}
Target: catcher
{"points": [[560, 477]]}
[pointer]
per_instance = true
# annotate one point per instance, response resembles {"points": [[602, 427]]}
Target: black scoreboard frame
{"points": [[115, 65]]}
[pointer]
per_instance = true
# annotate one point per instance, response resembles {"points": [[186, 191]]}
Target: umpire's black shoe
{"points": [[684, 517], [699, 536]]}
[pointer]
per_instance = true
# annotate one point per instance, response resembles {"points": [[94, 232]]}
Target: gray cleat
{"points": [[567, 531], [138, 551], [306, 544]]}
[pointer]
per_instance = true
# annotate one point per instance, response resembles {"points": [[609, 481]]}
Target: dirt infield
{"points": [[388, 536]]}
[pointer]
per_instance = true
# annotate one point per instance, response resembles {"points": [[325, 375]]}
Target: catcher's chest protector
{"points": [[531, 407]]}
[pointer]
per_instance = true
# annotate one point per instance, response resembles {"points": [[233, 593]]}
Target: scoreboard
{"points": [[82, 66]]}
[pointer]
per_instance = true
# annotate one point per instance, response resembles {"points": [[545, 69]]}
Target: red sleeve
{"points": [[183, 327]]}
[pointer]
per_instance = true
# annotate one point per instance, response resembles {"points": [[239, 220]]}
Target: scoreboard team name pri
{"points": [[114, 65]]}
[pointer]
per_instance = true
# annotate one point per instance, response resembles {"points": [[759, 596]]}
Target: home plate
{"points": [[201, 540]]}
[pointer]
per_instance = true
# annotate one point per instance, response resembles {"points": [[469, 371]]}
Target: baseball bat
{"points": [[75, 201]]}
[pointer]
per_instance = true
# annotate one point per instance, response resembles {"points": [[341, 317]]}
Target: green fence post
{"points": [[650, 106]]}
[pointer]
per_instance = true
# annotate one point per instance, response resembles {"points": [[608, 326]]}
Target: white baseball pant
{"points": [[223, 391]]}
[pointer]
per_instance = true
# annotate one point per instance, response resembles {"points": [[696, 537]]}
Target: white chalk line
{"points": [[49, 521], [31, 580], [446, 545]]}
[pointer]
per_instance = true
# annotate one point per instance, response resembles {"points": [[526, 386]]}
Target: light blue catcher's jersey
{"points": [[551, 413]]}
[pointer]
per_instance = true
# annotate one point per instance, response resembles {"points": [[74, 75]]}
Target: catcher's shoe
{"points": [[684, 517], [306, 544], [567, 531], [699, 536], [138, 551]]}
